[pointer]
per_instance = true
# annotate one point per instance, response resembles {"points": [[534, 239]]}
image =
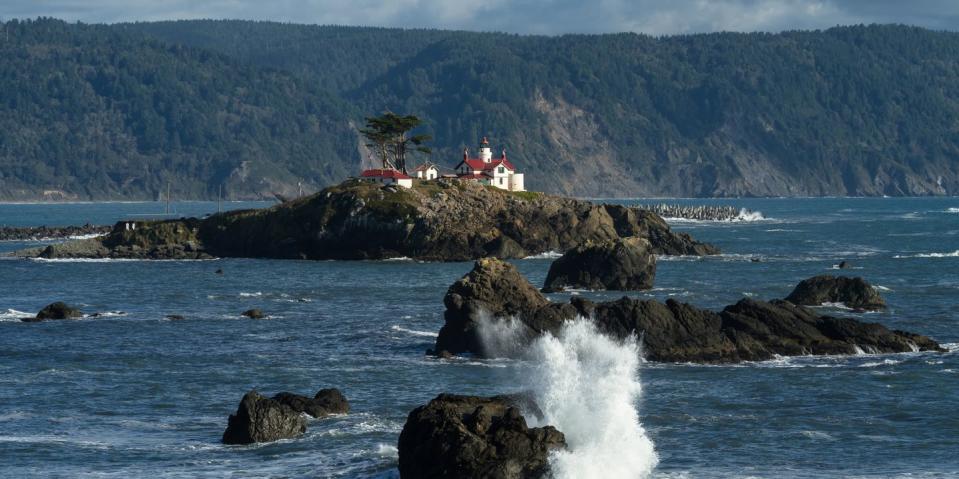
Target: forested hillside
{"points": [[92, 112], [865, 110]]}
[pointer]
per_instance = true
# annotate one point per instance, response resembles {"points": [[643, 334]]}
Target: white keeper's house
{"points": [[485, 169]]}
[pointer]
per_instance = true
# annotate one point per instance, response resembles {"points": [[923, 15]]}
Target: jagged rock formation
{"points": [[855, 293], [622, 264], [261, 419], [326, 402], [466, 437], [437, 221], [671, 331]]}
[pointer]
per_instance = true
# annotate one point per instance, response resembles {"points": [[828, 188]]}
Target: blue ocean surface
{"points": [[132, 394]]}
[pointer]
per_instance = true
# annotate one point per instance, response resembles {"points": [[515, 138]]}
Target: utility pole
{"points": [[168, 197], [219, 194]]}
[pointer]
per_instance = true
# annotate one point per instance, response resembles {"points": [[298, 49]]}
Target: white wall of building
{"points": [[516, 182]]}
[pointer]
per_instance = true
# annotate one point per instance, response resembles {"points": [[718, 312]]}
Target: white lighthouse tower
{"points": [[484, 151]]}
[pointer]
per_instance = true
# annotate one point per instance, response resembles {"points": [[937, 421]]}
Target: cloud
{"points": [[657, 17]]}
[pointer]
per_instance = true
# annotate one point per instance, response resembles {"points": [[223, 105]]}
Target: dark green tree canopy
{"points": [[389, 138]]}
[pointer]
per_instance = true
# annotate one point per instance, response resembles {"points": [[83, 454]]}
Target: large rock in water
{"points": [[622, 264], [855, 293], [261, 419], [436, 221], [466, 437], [57, 310], [326, 402], [672, 331]]}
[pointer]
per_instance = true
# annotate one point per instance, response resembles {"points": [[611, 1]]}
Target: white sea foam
{"points": [[587, 386], [14, 315], [546, 255], [255, 294], [413, 332], [954, 254], [952, 210], [744, 216], [878, 287], [387, 450]]}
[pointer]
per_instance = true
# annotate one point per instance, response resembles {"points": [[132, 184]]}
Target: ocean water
{"points": [[132, 394]]}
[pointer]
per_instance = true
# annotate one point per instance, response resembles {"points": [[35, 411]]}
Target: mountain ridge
{"points": [[848, 111]]}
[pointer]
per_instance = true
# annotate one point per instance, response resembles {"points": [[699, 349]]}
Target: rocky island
{"points": [[750, 330], [432, 221]]}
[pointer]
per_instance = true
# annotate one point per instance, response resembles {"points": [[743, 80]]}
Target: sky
{"points": [[549, 17]]}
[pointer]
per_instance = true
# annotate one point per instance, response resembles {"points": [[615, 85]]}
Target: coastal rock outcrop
{"points": [[750, 330], [622, 264], [855, 293], [468, 437], [57, 310], [36, 233], [326, 402], [261, 419], [433, 221]]}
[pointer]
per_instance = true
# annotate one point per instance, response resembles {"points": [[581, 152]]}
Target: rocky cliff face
{"points": [[749, 330]]}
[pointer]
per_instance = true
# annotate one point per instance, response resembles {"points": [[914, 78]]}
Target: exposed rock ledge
{"points": [[749, 330], [436, 221]]}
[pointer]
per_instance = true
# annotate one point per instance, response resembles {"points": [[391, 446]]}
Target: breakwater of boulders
{"points": [[698, 212], [36, 233]]}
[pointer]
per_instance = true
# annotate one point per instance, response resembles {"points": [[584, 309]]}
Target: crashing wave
{"points": [[546, 255], [954, 254], [587, 386]]}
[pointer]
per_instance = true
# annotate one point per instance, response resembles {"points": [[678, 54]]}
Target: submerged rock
{"points": [[254, 313], [494, 291], [622, 264], [57, 310], [468, 437], [261, 419], [855, 293], [326, 402], [844, 265]]}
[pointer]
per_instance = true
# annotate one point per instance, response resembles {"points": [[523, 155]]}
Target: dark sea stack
{"points": [[844, 265], [326, 402], [623, 264], [261, 419], [467, 437], [750, 330], [855, 293], [497, 288], [254, 314], [58, 310]]}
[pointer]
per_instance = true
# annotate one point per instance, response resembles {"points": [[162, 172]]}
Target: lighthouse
{"points": [[485, 153]]}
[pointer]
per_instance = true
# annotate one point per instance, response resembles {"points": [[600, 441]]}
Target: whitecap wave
{"points": [[413, 332], [255, 294], [954, 254], [952, 210], [14, 315], [546, 255]]}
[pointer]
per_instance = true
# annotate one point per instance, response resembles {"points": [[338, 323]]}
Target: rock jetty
{"points": [[622, 264], [854, 293], [699, 212], [466, 437], [39, 233], [435, 221], [750, 330]]}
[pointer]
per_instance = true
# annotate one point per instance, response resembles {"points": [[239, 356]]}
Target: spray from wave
{"points": [[952, 210], [954, 254], [587, 386]]}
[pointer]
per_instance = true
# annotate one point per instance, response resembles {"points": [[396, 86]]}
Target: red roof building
{"points": [[499, 172], [388, 176]]}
